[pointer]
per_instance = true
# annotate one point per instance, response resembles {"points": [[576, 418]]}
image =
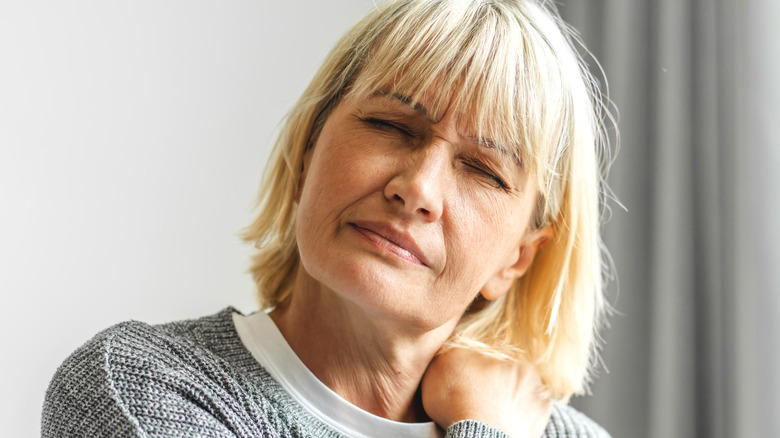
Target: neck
{"points": [[372, 361]]}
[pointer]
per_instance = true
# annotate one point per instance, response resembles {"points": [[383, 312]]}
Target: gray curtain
{"points": [[694, 346]]}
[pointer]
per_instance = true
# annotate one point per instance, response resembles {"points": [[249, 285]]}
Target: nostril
{"points": [[424, 211], [397, 198]]}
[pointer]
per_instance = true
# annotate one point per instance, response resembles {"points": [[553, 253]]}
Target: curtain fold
{"points": [[693, 348]]}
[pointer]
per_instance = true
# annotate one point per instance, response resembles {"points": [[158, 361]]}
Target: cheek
{"points": [[342, 165], [482, 240], [330, 181], [338, 176]]}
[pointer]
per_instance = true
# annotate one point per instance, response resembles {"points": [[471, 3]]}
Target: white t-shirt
{"points": [[263, 339]]}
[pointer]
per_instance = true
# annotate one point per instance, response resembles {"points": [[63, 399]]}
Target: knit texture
{"points": [[195, 379]]}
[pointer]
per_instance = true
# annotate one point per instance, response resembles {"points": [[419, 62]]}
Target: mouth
{"points": [[387, 238]]}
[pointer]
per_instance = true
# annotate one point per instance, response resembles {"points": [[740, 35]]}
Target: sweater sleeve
{"points": [[473, 429], [565, 422]]}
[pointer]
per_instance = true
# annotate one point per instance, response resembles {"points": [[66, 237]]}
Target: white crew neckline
{"points": [[267, 345]]}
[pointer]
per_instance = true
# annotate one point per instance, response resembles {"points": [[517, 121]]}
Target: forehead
{"points": [[434, 100], [483, 108], [386, 95]]}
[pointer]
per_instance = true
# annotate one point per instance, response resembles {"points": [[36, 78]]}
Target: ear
{"points": [[500, 283]]}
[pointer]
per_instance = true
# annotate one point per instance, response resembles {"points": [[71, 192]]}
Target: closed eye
{"points": [[482, 170], [389, 126]]}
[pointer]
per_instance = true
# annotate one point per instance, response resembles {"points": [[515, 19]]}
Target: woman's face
{"points": [[410, 217]]}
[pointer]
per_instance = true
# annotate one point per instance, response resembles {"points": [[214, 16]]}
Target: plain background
{"points": [[132, 140]]}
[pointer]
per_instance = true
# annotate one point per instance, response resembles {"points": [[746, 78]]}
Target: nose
{"points": [[419, 185]]}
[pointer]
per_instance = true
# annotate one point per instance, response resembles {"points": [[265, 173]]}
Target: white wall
{"points": [[132, 139]]}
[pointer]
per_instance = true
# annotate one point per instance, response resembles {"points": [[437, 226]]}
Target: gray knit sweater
{"points": [[196, 379]]}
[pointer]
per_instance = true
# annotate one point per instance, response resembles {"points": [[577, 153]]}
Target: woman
{"points": [[428, 237]]}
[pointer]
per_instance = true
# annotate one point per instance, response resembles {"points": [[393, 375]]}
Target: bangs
{"points": [[474, 58]]}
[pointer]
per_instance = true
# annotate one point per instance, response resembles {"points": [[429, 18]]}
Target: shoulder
{"points": [[118, 350], [565, 421], [134, 378]]}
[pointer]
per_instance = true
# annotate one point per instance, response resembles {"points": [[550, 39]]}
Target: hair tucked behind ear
{"points": [[511, 66]]}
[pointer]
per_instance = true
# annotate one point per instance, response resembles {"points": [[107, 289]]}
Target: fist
{"points": [[463, 384]]}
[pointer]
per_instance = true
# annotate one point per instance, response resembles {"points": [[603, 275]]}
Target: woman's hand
{"points": [[463, 384]]}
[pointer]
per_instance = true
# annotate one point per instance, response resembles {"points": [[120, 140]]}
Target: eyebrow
{"points": [[420, 109], [490, 144], [416, 106]]}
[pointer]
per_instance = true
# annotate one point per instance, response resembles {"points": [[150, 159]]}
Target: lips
{"points": [[389, 239]]}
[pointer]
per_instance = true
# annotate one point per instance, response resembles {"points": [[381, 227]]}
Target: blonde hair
{"points": [[509, 66]]}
